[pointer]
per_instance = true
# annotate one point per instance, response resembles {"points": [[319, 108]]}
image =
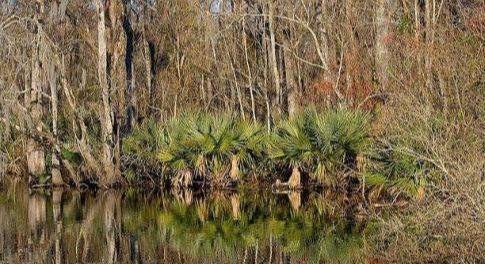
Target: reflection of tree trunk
{"points": [[111, 224], [84, 235], [236, 204], [57, 213], [295, 200], [37, 220], [135, 256], [234, 173]]}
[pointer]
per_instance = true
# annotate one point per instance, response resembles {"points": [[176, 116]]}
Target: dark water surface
{"points": [[145, 226]]}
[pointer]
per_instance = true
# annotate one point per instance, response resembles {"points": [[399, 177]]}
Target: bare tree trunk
{"points": [[265, 81], [238, 90], [274, 60], [106, 117], [383, 17], [428, 59], [120, 79], [291, 86], [148, 72], [35, 152], [56, 152], [131, 109], [250, 76]]}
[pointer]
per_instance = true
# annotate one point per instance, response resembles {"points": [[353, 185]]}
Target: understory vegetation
{"points": [[333, 149]]}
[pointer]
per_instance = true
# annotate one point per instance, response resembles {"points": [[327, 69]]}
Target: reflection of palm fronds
{"points": [[220, 235]]}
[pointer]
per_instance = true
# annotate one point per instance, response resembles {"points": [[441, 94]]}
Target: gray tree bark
{"points": [[106, 113], [35, 151]]}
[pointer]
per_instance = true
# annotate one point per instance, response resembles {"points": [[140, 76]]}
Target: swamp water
{"points": [[144, 226]]}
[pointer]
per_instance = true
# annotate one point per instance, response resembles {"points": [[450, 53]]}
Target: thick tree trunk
{"points": [[131, 108], [106, 113], [35, 152]]}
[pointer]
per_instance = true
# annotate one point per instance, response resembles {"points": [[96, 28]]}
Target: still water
{"points": [[150, 226]]}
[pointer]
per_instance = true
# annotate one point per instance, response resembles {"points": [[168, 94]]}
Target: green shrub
{"points": [[140, 150], [321, 144], [396, 172], [210, 146]]}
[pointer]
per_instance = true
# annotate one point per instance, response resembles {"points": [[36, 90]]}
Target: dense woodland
{"points": [[379, 98]]}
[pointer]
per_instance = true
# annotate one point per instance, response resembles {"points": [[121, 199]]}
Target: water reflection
{"points": [[179, 227]]}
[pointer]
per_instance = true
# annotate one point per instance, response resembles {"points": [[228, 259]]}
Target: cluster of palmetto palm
{"points": [[209, 147], [329, 147], [212, 148], [321, 145], [395, 172]]}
